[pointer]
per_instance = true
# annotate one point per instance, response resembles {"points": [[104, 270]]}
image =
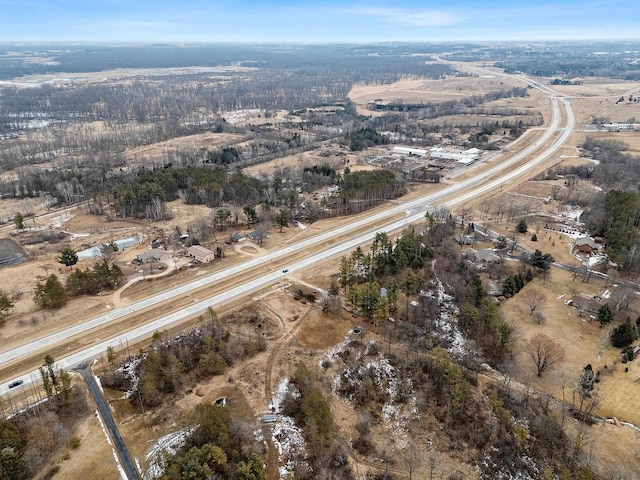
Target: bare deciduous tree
{"points": [[413, 457], [544, 352], [534, 298]]}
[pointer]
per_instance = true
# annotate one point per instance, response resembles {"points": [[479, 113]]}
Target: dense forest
{"points": [[606, 59], [360, 62]]}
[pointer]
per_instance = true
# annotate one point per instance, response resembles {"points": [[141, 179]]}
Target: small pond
{"points": [[122, 244]]}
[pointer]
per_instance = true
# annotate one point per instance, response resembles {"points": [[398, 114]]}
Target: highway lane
{"points": [[415, 210]]}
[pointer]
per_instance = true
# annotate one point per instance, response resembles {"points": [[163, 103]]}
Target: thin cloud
{"points": [[406, 16]]}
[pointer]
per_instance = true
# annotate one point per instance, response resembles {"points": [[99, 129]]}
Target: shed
{"points": [[201, 254], [238, 237], [269, 418]]}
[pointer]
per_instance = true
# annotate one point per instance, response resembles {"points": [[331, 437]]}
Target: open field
{"points": [[584, 341], [632, 139], [94, 457], [208, 140], [116, 75], [335, 156], [598, 87], [589, 108], [424, 91]]}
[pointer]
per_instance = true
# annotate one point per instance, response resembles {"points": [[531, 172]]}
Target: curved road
{"points": [[414, 209]]}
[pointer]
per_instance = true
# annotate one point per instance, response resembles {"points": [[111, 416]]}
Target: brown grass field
{"points": [[94, 457], [206, 140], [584, 342]]}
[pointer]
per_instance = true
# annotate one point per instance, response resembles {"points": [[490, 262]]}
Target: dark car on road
{"points": [[15, 383]]}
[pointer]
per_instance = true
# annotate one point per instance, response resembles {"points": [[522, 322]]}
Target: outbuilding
{"points": [[201, 254]]}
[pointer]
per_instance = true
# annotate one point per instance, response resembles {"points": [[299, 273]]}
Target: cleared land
{"points": [[206, 140]]}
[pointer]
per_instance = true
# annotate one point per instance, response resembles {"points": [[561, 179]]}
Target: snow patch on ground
{"points": [[594, 260], [27, 408], [288, 439], [447, 322], [284, 387], [286, 436], [130, 370], [334, 352], [257, 434], [97, 379], [397, 416], [169, 444], [573, 212]]}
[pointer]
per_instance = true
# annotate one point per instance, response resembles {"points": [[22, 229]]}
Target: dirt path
{"points": [[116, 298]]}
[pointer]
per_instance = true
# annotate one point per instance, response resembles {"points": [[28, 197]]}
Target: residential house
{"points": [[153, 255], [201, 254], [586, 245], [487, 256], [586, 303]]}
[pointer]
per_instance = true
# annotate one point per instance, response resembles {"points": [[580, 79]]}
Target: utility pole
{"points": [[284, 296]]}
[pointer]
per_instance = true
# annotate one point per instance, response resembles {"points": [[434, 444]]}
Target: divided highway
{"points": [[463, 191]]}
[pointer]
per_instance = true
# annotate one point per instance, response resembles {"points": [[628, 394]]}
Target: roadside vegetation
{"points": [[171, 364], [33, 439]]}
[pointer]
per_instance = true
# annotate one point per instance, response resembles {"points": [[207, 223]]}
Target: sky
{"points": [[323, 21]]}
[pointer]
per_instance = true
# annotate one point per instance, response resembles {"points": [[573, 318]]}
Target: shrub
{"points": [[522, 226], [74, 442]]}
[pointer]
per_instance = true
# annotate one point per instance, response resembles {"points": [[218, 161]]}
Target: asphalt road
{"points": [[103, 409], [542, 148]]}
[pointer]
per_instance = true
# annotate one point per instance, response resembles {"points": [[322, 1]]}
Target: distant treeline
{"points": [[362, 63], [558, 59], [559, 81]]}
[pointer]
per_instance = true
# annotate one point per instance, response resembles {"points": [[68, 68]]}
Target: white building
{"points": [[409, 151]]}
